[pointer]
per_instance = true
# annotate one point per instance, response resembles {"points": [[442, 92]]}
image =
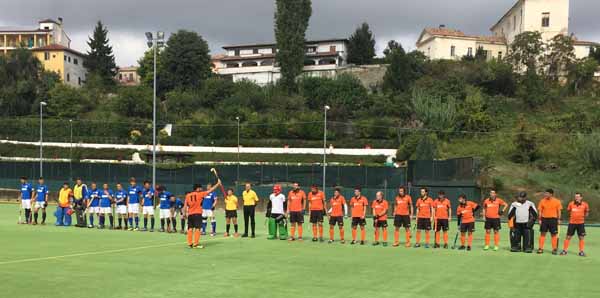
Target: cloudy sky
{"points": [[223, 22]]}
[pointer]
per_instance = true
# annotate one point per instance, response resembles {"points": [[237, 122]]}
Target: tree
{"points": [[532, 89], [100, 59], [291, 22], [404, 69], [581, 74], [473, 115], [133, 102], [427, 147], [595, 53], [560, 56], [434, 111], [526, 50], [392, 46], [146, 68], [66, 102], [185, 62], [525, 142], [361, 46]]}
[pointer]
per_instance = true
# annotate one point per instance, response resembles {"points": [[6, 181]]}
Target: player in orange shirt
{"points": [[491, 214], [424, 207], [578, 211], [466, 217], [442, 213], [549, 209], [359, 204], [192, 210], [295, 208], [402, 214], [380, 208], [338, 209], [316, 207]]}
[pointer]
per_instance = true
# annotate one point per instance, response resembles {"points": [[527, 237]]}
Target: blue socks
{"points": [[213, 224], [137, 221], [130, 220], [91, 219]]}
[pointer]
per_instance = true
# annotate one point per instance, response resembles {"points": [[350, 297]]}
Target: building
{"points": [[128, 76], [256, 62], [51, 45], [549, 17]]}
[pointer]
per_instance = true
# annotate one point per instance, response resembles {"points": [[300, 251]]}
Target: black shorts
{"points": [[316, 216], [492, 224], [339, 220], [297, 217], [549, 225], [467, 227], [579, 228], [194, 221], [442, 225], [230, 213], [357, 221], [380, 223], [423, 224], [401, 221]]}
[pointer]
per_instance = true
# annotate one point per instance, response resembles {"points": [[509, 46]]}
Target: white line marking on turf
{"points": [[101, 252]]}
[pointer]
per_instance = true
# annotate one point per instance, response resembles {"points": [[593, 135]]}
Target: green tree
{"points": [[427, 147], [146, 68], [532, 89], [525, 142], [133, 102], [291, 22], [67, 102], [595, 53], [526, 50], [473, 115], [392, 46], [361, 46], [404, 69], [100, 59], [434, 111], [560, 56], [581, 74], [185, 62]]}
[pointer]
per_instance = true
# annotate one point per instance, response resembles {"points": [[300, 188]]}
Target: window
{"points": [[311, 49], [131, 77], [452, 51], [75, 61], [332, 49], [46, 56], [69, 58], [68, 77], [546, 19], [254, 51], [499, 55], [79, 81], [237, 52], [65, 57], [470, 52], [120, 77]]}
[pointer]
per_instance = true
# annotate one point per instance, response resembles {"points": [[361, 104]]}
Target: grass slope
{"points": [[103, 263]]}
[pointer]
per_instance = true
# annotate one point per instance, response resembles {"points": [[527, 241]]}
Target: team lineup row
{"points": [[284, 211]]}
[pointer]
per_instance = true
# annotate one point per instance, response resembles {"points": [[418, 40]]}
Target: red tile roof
{"points": [[57, 47]]}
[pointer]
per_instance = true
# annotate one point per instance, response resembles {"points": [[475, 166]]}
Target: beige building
{"points": [[549, 17], [128, 76]]}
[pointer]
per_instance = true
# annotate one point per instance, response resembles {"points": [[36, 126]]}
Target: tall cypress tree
{"points": [[100, 59], [291, 22], [361, 46]]}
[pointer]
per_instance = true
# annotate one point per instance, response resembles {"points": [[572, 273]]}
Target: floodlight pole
{"points": [[42, 104], [325, 109]]}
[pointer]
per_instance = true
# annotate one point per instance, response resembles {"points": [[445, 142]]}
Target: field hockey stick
{"points": [[221, 186], [457, 231], [20, 213]]}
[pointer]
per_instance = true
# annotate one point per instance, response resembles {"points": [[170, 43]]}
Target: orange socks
{"points": [[427, 233], [331, 233], [581, 245], [437, 237], [554, 242], [299, 231], [408, 237], [487, 238], [542, 240], [462, 239], [470, 239], [341, 233], [418, 237], [363, 234], [497, 239], [314, 230], [445, 237], [321, 231], [376, 235], [384, 235], [196, 237], [189, 237], [353, 234], [396, 236], [292, 231]]}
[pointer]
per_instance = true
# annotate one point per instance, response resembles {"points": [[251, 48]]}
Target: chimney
{"points": [[60, 20]]}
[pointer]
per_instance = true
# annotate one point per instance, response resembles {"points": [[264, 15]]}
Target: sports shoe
{"points": [[417, 245], [362, 243], [554, 252], [436, 246], [462, 247], [315, 240], [213, 234], [183, 231], [446, 246], [162, 230], [384, 244], [253, 236], [244, 235], [226, 235], [540, 251], [130, 229], [468, 248], [321, 239], [487, 247], [407, 245], [496, 248], [235, 235], [151, 230], [291, 239], [89, 226], [581, 254], [330, 241], [563, 253], [353, 242], [300, 239], [203, 233], [426, 245], [342, 241], [375, 243], [396, 244], [136, 229], [191, 246]]}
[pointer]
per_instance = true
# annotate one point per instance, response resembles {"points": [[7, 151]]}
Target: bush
{"points": [[588, 149], [427, 148], [526, 149]]}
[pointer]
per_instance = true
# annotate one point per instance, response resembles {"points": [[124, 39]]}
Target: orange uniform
{"points": [[380, 208], [403, 205], [577, 212], [316, 201], [357, 205], [550, 207], [466, 212], [296, 200], [423, 207], [193, 201], [492, 207], [441, 208], [337, 206]]}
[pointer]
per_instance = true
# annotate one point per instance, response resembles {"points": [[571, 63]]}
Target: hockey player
{"points": [[276, 214], [522, 216]]}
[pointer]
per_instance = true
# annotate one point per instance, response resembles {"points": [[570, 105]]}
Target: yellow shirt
{"points": [[231, 203], [250, 198], [64, 196]]}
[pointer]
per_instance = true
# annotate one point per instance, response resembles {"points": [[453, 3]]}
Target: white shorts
{"points": [[94, 210], [207, 213], [121, 209], [134, 208], [39, 204], [106, 210], [165, 213], [26, 204], [148, 210]]}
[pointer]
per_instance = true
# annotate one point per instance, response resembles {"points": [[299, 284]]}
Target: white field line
{"points": [[99, 252]]}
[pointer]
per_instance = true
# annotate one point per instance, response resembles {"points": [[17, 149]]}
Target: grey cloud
{"points": [[245, 21]]}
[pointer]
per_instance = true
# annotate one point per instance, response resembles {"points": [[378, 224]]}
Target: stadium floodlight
{"points": [[154, 44], [71, 150], [42, 104], [238, 148], [325, 109]]}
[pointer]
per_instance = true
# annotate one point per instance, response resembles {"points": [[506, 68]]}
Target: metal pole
{"points": [[71, 150], [41, 139], [154, 119], [238, 149], [324, 145]]}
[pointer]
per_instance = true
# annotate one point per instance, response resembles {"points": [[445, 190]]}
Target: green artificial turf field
{"points": [[48, 261]]}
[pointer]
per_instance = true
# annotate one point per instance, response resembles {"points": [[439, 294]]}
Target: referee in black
{"points": [[250, 200]]}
